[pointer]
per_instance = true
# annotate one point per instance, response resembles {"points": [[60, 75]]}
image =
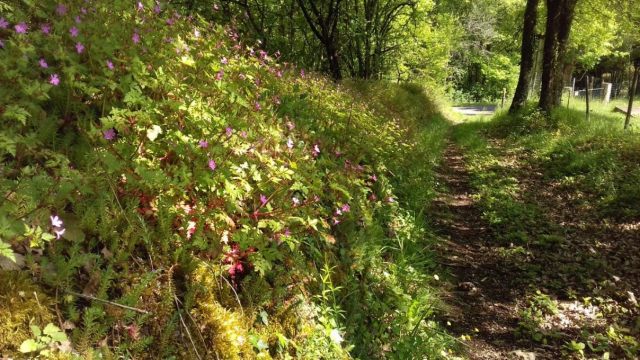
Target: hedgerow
{"points": [[156, 161]]}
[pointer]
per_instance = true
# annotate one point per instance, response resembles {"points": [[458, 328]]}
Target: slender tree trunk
{"points": [[560, 14], [527, 55]]}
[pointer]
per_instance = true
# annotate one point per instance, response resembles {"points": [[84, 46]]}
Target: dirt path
{"points": [[481, 299]]}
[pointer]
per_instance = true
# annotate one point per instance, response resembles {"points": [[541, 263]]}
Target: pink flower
{"points": [[157, 9], [220, 74], [140, 6], [43, 64], [55, 221], [1, 43], [243, 134], [346, 208], [169, 22], [45, 28], [61, 9], [338, 212], [177, 50], [3, 23], [391, 199], [21, 28], [59, 233], [74, 31], [77, 19], [279, 74], [337, 152], [290, 144], [295, 201], [373, 197], [212, 164], [287, 233], [263, 199], [109, 134], [79, 47], [374, 178], [215, 6], [302, 73], [136, 38], [54, 80], [224, 61], [242, 76], [258, 107], [229, 131], [316, 148], [316, 198], [204, 144], [336, 221], [110, 65], [84, 11], [176, 15]]}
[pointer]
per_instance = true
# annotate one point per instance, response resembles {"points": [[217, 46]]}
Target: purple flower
{"points": [[61, 9], [110, 65], [263, 199], [45, 28], [74, 31], [224, 61], [109, 134], [279, 74], [21, 28], [346, 208], [3, 23], [290, 144], [1, 43], [169, 40], [176, 15], [302, 73], [220, 74], [55, 221], [373, 197], [54, 80], [157, 9], [77, 19], [79, 47], [186, 48], [177, 50], [287, 233], [337, 152], [374, 178], [135, 38], [59, 233], [229, 130], [258, 107], [242, 76], [43, 63], [84, 11], [204, 144], [140, 6], [215, 6], [243, 134], [212, 164], [291, 126]]}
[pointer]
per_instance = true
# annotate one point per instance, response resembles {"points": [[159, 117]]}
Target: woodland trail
{"points": [[481, 302], [539, 286]]}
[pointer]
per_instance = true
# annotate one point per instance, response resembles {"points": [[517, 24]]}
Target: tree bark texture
{"points": [[526, 55]]}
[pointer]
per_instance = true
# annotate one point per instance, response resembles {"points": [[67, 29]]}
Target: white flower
{"points": [[335, 336]]}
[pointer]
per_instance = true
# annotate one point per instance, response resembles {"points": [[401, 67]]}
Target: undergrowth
{"points": [[169, 191]]}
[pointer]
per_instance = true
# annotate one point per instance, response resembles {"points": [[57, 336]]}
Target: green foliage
{"points": [[43, 339], [171, 168]]}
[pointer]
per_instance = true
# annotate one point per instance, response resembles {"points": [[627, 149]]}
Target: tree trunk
{"points": [[560, 14], [526, 54]]}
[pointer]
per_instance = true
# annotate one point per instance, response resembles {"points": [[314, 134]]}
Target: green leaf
{"points": [[153, 133], [28, 346]]}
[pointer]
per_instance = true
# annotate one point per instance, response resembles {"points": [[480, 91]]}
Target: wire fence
{"points": [[577, 87]]}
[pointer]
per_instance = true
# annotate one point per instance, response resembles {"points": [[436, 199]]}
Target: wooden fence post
{"points": [[632, 93], [587, 95]]}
